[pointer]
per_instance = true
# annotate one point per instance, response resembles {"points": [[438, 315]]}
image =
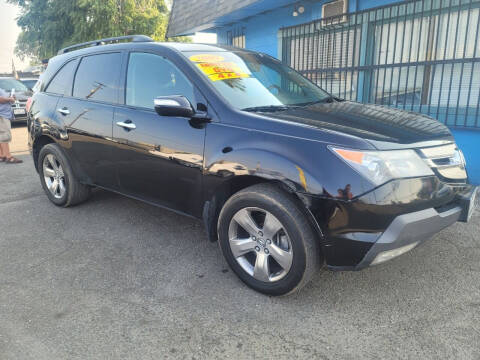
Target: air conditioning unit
{"points": [[332, 12]]}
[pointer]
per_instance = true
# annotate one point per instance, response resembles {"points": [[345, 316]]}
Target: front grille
{"points": [[446, 161], [19, 104], [444, 208]]}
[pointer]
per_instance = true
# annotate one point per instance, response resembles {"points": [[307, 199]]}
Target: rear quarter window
{"points": [[97, 78], [61, 84]]}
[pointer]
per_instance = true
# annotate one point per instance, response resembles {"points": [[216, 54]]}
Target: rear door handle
{"points": [[127, 125], [64, 111]]}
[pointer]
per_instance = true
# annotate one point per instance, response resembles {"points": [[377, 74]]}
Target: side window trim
{"points": [[122, 83], [125, 79], [117, 81], [70, 93]]}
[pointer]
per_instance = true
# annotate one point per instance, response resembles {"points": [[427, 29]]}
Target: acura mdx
{"points": [[284, 175]]}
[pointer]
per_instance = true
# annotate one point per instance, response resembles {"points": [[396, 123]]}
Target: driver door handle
{"points": [[127, 125], [64, 111]]}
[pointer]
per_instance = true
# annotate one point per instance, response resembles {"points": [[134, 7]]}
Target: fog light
{"points": [[390, 254]]}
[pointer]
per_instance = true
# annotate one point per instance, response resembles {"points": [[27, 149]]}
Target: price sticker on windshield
{"points": [[222, 71], [206, 58], [226, 76]]}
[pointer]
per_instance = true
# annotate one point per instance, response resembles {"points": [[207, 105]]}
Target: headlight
{"points": [[459, 158], [382, 166]]}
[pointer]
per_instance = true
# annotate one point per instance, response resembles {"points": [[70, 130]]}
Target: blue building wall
{"points": [[368, 4], [261, 34], [261, 31], [469, 142]]}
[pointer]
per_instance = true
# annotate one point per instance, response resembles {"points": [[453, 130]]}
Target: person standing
{"points": [[5, 128]]}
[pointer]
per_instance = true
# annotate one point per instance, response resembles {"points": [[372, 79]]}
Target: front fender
{"points": [[263, 164], [230, 170], [306, 166]]}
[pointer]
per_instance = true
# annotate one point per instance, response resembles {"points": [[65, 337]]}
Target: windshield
{"points": [[9, 84], [29, 83], [251, 81]]}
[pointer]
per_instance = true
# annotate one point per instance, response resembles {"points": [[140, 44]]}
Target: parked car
{"points": [[29, 82], [285, 176], [22, 93]]}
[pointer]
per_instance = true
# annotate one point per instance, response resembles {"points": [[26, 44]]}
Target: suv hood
{"points": [[23, 95], [383, 127]]}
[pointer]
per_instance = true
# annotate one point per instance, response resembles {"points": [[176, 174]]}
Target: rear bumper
{"points": [[19, 118]]}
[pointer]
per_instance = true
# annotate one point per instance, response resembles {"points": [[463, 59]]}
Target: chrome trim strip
{"points": [[445, 151]]}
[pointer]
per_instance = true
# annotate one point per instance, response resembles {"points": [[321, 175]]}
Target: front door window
{"points": [[150, 76]]}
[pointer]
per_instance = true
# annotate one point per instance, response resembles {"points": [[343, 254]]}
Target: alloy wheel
{"points": [[260, 244], [54, 176]]}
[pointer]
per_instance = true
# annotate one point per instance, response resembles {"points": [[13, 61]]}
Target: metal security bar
{"points": [[418, 55], [236, 37]]}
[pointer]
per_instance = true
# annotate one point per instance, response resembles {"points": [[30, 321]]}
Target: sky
{"points": [[210, 38], [9, 32], [8, 37]]}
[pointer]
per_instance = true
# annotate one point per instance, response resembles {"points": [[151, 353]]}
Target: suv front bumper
{"points": [[409, 230], [389, 221], [406, 232]]}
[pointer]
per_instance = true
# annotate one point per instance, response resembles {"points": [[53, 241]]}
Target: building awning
{"points": [[191, 16]]}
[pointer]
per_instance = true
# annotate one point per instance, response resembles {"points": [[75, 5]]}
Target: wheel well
{"points": [[38, 145], [212, 207]]}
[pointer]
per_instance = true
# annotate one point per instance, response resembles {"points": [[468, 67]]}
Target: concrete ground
{"points": [[19, 145], [116, 278]]}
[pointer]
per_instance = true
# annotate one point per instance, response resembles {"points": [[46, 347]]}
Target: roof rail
{"points": [[133, 38]]}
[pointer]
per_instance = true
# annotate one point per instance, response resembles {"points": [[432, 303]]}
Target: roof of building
{"points": [[196, 47], [21, 74], [190, 16]]}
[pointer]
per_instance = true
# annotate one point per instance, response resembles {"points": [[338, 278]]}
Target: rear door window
{"points": [[149, 76], [61, 83], [97, 78]]}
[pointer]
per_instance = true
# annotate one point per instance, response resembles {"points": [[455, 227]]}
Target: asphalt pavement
{"points": [[18, 145], [116, 278]]}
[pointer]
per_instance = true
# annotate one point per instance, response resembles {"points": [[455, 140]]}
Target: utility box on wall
{"points": [[334, 9]]}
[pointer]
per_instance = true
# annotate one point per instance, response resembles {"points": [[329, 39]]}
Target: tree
{"points": [[49, 25]]}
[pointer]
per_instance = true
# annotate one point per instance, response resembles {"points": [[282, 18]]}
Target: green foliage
{"points": [[49, 25]]}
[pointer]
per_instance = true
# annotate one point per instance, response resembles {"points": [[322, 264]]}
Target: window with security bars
{"points": [[419, 55], [430, 62], [236, 37], [322, 54]]}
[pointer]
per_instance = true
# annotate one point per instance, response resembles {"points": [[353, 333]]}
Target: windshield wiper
{"points": [[273, 108], [328, 99], [269, 108]]}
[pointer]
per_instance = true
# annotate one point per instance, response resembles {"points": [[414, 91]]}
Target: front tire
{"points": [[57, 178], [267, 240]]}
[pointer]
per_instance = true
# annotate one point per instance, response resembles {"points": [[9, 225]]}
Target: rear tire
{"points": [[57, 178], [277, 253]]}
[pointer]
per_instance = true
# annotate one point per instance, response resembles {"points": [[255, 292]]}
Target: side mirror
{"points": [[174, 105]]}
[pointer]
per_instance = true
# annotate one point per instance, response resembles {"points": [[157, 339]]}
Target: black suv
{"points": [[285, 176]]}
